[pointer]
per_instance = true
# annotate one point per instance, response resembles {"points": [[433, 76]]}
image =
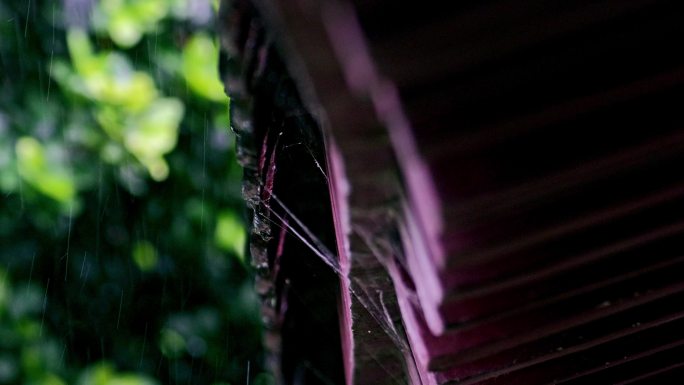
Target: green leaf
{"points": [[105, 374], [171, 343], [200, 68], [49, 178], [48, 379], [154, 134], [230, 234], [124, 29], [4, 290], [145, 256], [126, 21]]}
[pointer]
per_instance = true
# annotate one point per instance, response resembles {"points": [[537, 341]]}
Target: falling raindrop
{"points": [[62, 356], [52, 54], [33, 261], [45, 299], [142, 351], [204, 167], [85, 256], [66, 264], [28, 13], [118, 318], [248, 364]]}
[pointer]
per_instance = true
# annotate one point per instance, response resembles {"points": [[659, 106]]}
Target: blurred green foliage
{"points": [[122, 237]]}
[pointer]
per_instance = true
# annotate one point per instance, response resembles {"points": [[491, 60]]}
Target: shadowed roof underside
{"points": [[515, 168]]}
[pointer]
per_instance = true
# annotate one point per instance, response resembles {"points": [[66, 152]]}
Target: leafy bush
{"points": [[121, 231]]}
